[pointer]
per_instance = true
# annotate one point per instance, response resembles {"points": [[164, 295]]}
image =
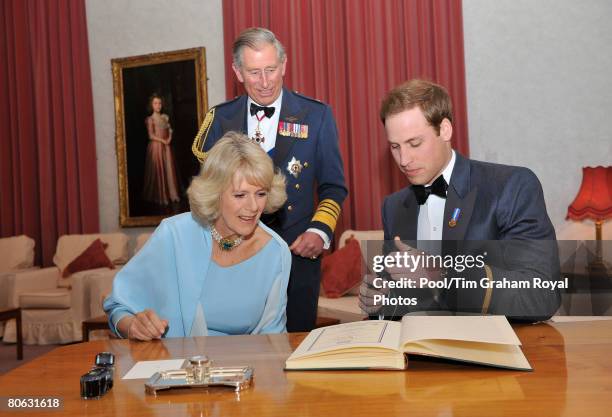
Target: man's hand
{"points": [[145, 326], [308, 245], [399, 272], [367, 291]]}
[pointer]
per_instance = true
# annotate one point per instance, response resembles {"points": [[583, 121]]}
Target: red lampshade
{"points": [[594, 199]]}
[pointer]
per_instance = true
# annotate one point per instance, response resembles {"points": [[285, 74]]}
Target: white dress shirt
{"points": [[431, 214], [268, 127]]}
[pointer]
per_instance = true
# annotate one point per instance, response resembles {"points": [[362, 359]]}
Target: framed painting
{"points": [[160, 101]]}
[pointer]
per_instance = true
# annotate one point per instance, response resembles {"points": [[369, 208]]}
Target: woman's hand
{"points": [[156, 139], [145, 325]]}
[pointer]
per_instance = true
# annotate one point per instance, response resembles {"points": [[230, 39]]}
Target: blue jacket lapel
{"points": [[238, 121], [406, 218], [461, 196], [291, 112]]}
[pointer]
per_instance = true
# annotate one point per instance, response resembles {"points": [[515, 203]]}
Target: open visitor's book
{"points": [[382, 344]]}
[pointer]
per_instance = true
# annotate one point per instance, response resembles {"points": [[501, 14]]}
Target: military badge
{"points": [[294, 167], [294, 130], [258, 137], [454, 218]]}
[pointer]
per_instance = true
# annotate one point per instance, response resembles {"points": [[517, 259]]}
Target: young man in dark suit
{"points": [[300, 135], [452, 198]]}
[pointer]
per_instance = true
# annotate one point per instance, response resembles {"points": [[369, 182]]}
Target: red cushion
{"points": [[341, 271], [92, 257]]}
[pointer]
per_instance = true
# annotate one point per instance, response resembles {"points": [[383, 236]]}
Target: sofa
{"points": [[53, 306]]}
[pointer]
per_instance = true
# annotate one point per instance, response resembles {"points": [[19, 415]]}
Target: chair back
{"points": [[16, 252], [71, 246]]}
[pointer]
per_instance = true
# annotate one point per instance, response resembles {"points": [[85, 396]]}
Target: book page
{"points": [[484, 329], [367, 334], [503, 355]]}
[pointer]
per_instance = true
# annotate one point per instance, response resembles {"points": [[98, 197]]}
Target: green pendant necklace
{"points": [[225, 244]]}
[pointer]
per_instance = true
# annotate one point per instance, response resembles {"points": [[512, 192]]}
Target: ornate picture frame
{"points": [[160, 101]]}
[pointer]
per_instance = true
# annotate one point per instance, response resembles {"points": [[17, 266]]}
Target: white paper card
{"points": [[146, 369]]}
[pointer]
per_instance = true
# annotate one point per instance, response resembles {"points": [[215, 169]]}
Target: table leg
{"points": [[19, 336], [85, 331]]}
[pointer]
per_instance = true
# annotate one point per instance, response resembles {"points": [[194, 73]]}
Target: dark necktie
{"points": [[438, 188], [268, 111]]}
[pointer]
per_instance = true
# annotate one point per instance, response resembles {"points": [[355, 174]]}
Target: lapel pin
{"points": [[453, 221]]}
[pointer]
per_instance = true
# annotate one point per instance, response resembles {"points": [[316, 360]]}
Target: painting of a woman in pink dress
{"points": [[160, 182]]}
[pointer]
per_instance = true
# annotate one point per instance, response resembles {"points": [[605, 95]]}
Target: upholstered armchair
{"points": [[53, 306], [16, 254], [101, 282]]}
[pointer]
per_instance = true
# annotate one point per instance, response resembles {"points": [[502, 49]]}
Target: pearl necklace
{"points": [[225, 244]]}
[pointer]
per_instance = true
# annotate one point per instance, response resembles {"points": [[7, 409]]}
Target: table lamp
{"points": [[594, 201]]}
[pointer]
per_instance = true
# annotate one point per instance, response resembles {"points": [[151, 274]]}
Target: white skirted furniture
{"points": [[52, 306], [100, 285], [16, 254]]}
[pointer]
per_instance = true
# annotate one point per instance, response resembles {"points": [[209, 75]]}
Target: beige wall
{"points": [[538, 84], [540, 93], [119, 28]]}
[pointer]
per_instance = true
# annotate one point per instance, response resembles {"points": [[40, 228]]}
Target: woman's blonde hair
{"points": [[234, 153]]}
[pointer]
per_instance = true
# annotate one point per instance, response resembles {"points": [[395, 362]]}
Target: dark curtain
{"points": [[349, 53], [48, 174]]}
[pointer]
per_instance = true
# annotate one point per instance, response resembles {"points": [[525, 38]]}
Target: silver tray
{"points": [[199, 374]]}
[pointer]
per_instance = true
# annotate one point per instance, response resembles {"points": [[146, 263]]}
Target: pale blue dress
{"points": [[233, 298], [174, 275]]}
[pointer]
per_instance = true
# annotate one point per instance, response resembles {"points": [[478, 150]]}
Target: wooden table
{"points": [[572, 377]]}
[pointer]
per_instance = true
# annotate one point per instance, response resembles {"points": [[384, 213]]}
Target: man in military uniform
{"points": [[300, 135]]}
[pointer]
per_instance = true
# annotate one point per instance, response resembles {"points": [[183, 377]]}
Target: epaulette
{"points": [[200, 140], [198, 143], [308, 98]]}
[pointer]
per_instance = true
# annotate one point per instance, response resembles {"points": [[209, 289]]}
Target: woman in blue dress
{"points": [[216, 270]]}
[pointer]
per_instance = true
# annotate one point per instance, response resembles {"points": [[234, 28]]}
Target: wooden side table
{"points": [[94, 323], [14, 313]]}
